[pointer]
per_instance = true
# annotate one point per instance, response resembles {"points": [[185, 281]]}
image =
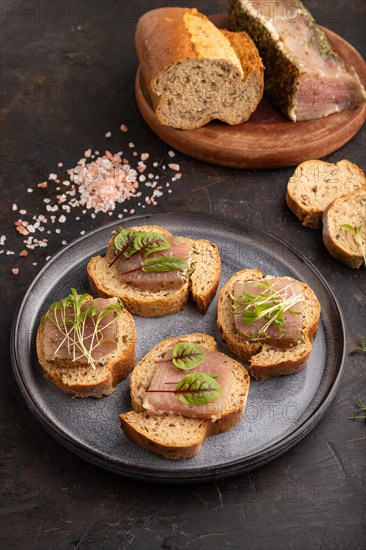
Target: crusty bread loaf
{"points": [[264, 360], [316, 184], [173, 436], [82, 380], [202, 282], [340, 241], [194, 72]]}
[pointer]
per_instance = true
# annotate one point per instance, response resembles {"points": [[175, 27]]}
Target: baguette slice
{"points": [[196, 73], [341, 243], [173, 436], [81, 380], [202, 282], [265, 361], [316, 184]]}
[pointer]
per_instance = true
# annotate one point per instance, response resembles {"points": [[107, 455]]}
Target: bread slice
{"points": [[264, 360], [342, 243], [202, 282], [316, 184], [173, 436], [82, 380], [196, 73]]}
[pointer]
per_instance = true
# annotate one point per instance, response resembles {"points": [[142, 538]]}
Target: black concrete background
{"points": [[68, 77]]}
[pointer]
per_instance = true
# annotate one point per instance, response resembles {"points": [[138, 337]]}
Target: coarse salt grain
{"points": [[52, 176], [174, 167], [14, 207], [23, 253], [171, 154], [42, 185], [2, 240], [15, 270], [123, 128], [108, 134], [62, 219]]}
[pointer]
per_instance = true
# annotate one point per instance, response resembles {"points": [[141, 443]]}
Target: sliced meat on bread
{"points": [[196, 73], [87, 363], [200, 280], [344, 228], [263, 358], [175, 436], [316, 184]]}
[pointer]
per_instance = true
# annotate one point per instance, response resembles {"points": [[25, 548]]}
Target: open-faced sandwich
{"points": [[154, 272], [268, 322], [85, 345], [182, 391]]}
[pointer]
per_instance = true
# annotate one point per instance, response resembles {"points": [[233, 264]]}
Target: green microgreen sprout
{"points": [[70, 316], [270, 305], [361, 346], [357, 231], [361, 409]]}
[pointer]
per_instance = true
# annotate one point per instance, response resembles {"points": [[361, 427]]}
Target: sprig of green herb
{"points": [[361, 346], [129, 242], [197, 388], [187, 356], [270, 305], [361, 409], [356, 231], [160, 265], [70, 317]]}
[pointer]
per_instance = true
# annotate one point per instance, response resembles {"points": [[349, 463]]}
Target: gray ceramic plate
{"points": [[279, 411]]}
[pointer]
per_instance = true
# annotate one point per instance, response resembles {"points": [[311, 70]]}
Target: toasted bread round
{"points": [[341, 242], [264, 360], [174, 436], [82, 380], [202, 282], [316, 184]]}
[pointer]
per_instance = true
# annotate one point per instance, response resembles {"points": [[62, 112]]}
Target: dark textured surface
{"points": [[311, 497]]}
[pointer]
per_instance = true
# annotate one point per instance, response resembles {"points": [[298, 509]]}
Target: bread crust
{"points": [[116, 370], [335, 247], [157, 304], [251, 352], [311, 215], [140, 382], [168, 36]]}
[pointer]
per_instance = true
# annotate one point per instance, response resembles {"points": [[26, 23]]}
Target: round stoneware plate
{"points": [[268, 139], [279, 411]]}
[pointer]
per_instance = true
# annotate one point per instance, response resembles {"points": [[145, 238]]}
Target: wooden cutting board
{"points": [[267, 139]]}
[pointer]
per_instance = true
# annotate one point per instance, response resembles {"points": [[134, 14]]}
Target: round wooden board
{"points": [[267, 139]]}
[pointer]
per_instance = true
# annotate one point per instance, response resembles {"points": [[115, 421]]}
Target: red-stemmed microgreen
{"points": [[160, 265], [129, 242], [197, 388], [187, 356]]}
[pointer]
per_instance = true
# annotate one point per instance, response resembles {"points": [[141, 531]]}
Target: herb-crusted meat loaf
{"points": [[304, 77]]}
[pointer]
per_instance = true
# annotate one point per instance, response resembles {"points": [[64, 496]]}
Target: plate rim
{"points": [[184, 475]]}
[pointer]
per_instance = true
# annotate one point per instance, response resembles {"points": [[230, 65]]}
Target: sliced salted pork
{"points": [[132, 274], [161, 399], [263, 295], [303, 77], [68, 341]]}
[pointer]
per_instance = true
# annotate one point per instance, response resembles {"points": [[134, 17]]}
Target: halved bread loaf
{"points": [[316, 184], [80, 379], [341, 242], [264, 360], [173, 436], [202, 281], [196, 73]]}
